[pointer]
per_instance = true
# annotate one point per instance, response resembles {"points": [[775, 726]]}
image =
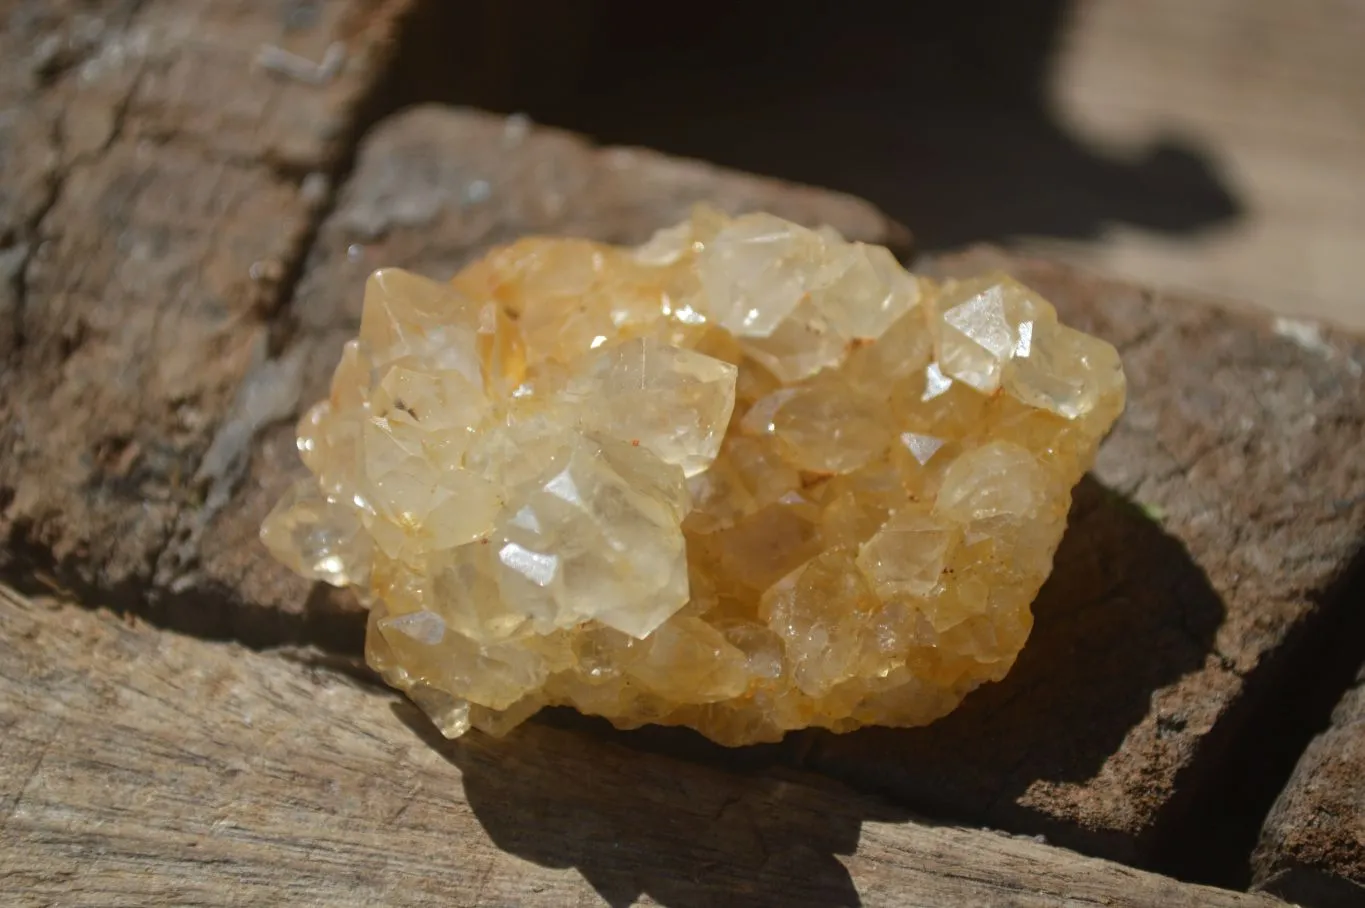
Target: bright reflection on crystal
{"points": [[538, 568], [935, 382], [922, 447], [424, 627], [747, 477]]}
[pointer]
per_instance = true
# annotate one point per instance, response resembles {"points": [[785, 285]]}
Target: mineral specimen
{"points": [[747, 477]]}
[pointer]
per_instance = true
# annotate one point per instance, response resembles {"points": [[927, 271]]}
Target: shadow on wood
{"points": [[737, 845], [1125, 613], [939, 113]]}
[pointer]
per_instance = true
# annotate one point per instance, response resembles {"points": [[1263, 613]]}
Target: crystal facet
{"points": [[747, 477]]}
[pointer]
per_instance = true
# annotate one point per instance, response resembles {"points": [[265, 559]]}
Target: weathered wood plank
{"points": [[1312, 849], [142, 768], [155, 192], [1221, 514]]}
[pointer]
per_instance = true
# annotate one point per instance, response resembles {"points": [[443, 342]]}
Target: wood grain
{"points": [[161, 187], [142, 768]]}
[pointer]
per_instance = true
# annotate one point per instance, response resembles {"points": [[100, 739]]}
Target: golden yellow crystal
{"points": [[747, 477]]}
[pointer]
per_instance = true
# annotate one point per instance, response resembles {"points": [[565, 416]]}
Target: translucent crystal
{"points": [[984, 323], [747, 477], [756, 270], [908, 554], [597, 536], [317, 538], [409, 315], [800, 346], [826, 426], [864, 290], [674, 402]]}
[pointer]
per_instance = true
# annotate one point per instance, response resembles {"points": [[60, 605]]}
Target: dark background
{"points": [[937, 112]]}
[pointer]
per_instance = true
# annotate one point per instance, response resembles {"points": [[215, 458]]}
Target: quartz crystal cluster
{"points": [[748, 477]]}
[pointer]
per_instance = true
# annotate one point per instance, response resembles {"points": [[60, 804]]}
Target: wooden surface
{"points": [[1313, 847], [1191, 563], [142, 768], [1273, 95], [178, 269]]}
